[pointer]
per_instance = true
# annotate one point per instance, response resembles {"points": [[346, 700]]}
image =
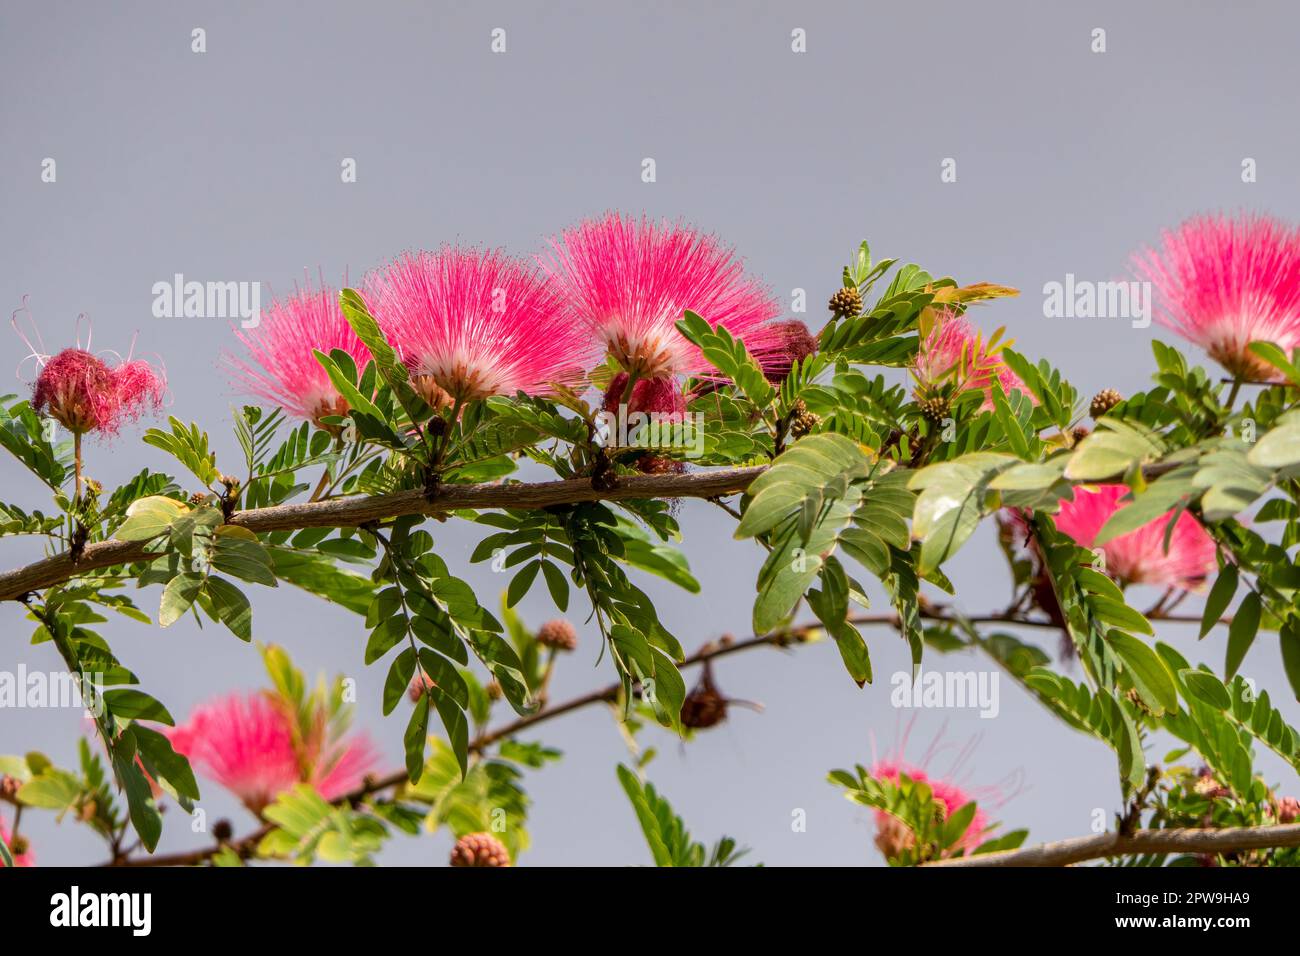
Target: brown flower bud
{"points": [[558, 634], [846, 302], [1104, 401]]}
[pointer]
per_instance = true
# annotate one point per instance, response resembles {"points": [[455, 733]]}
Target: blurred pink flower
{"points": [[631, 281], [479, 323], [1224, 283], [283, 370], [950, 796], [23, 858], [1139, 557], [955, 351], [247, 744]]}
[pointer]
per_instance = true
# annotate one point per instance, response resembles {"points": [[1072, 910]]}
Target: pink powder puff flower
{"points": [[18, 847], [954, 351], [947, 788], [1224, 283], [283, 369], [1139, 557], [247, 744], [83, 392], [631, 281], [948, 795], [479, 324]]}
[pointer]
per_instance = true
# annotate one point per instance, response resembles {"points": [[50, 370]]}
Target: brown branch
{"points": [[246, 845], [352, 512], [1189, 840], [783, 638]]}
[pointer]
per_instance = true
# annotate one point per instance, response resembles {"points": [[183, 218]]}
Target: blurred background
{"points": [[226, 166]]}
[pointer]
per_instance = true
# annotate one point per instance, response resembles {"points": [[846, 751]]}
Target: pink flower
{"points": [[1224, 283], [84, 394], [948, 795], [1139, 557], [18, 847], [479, 324], [631, 281], [249, 746], [662, 397], [954, 351], [284, 370], [796, 343]]}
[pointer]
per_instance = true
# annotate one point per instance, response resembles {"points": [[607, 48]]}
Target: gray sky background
{"points": [[226, 166]]}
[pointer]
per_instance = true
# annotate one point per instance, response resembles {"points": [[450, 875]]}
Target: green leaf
{"points": [[390, 366], [557, 584], [1277, 449], [1290, 639], [1219, 598], [231, 606], [137, 705], [51, 790], [177, 597], [147, 518], [1110, 451], [141, 806], [1274, 356], [158, 753], [650, 824], [1150, 675], [956, 825], [1206, 688], [399, 679], [1241, 633], [952, 501], [237, 551], [521, 582], [815, 469], [417, 732]]}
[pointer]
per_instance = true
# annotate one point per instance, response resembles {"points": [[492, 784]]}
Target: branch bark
{"points": [[1102, 845], [351, 512]]}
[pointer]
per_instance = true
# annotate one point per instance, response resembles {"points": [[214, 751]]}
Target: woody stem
{"points": [[76, 465]]}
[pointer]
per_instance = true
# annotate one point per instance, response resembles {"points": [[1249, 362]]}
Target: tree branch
{"points": [[1189, 840], [352, 512], [246, 845]]}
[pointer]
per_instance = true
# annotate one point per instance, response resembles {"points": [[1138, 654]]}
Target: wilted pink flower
{"points": [[1224, 283], [18, 847], [1139, 557], [83, 393], [1288, 808], [284, 369], [631, 281], [479, 324], [663, 397], [247, 744], [948, 795], [954, 351], [795, 343]]}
